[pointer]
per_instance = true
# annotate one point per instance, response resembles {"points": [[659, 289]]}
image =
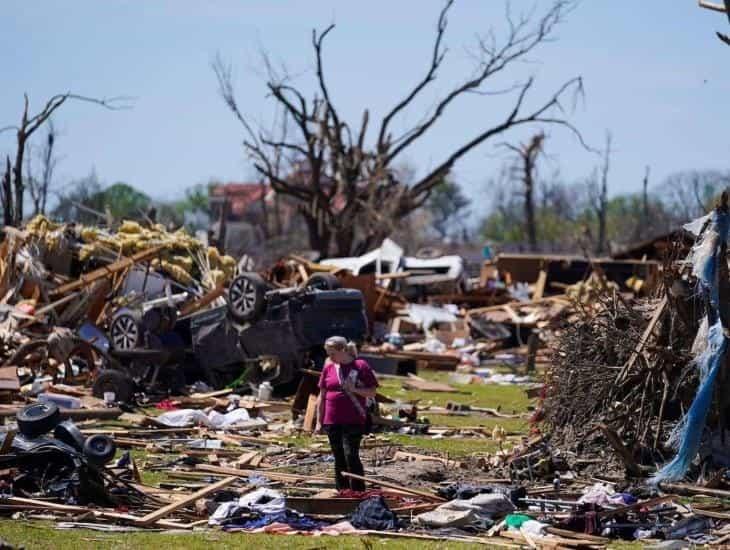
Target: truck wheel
{"points": [[124, 331], [38, 419], [246, 297], [99, 449], [115, 381], [323, 281]]}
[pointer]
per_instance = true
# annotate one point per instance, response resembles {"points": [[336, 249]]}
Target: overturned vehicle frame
{"points": [[260, 334]]}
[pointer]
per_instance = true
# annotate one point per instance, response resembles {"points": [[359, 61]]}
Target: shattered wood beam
{"points": [[108, 270], [372, 481], [203, 301], [166, 510]]}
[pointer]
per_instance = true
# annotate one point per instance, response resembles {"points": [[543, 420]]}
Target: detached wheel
{"points": [[38, 419], [99, 449], [114, 381], [246, 297], [124, 332], [323, 281]]}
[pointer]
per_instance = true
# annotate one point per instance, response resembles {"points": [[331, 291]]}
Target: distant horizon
{"points": [[656, 80]]}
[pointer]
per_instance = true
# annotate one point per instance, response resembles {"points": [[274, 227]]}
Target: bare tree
{"points": [[345, 183], [39, 187], [29, 123], [689, 193], [527, 155], [601, 206]]}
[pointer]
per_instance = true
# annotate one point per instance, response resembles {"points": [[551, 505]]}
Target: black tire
{"points": [[246, 297], [323, 281], [99, 449], [69, 433], [116, 381], [38, 419]]}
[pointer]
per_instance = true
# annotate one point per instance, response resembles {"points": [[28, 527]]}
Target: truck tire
{"points": [[125, 331], [99, 449], [323, 281], [246, 297], [38, 419], [111, 380]]}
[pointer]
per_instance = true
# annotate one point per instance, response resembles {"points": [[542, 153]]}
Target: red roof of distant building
{"points": [[240, 195]]}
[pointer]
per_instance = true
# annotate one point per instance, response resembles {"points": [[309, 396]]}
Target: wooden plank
{"points": [[423, 494], [540, 286], [108, 270], [310, 416], [166, 510], [205, 300], [275, 476]]}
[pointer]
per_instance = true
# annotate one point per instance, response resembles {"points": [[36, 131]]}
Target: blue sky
{"points": [[654, 74]]}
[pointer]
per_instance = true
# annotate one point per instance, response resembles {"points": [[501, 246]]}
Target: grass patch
{"points": [[43, 536], [450, 446], [509, 399]]}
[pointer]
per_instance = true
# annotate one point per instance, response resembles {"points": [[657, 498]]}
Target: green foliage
{"points": [[447, 205], [124, 201]]}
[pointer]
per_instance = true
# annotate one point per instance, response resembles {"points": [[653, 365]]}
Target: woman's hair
{"points": [[340, 343]]}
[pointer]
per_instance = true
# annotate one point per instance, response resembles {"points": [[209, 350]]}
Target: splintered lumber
{"points": [[540, 286], [166, 510], [694, 490], [402, 489], [402, 455], [107, 270], [205, 300], [658, 312], [275, 476], [310, 416], [27, 503]]}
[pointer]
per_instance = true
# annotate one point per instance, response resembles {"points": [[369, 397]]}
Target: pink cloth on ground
{"points": [[338, 407]]}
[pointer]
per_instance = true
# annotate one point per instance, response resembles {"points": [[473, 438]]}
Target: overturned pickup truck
{"points": [[259, 334]]}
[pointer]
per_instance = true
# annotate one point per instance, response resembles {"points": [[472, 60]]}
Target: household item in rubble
{"points": [[37, 419], [265, 390], [63, 401], [373, 513]]}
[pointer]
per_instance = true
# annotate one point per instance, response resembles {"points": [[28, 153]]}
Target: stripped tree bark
{"points": [[343, 178], [602, 207], [527, 155]]}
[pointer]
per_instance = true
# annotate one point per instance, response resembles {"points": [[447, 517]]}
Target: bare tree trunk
{"points": [[7, 193], [530, 211], [527, 155], [265, 211], [319, 237], [603, 201], [48, 165], [645, 200]]}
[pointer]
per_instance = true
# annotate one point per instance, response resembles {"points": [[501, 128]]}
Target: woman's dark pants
{"points": [[345, 443]]}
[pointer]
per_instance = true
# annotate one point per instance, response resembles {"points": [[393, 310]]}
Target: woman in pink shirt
{"points": [[344, 386]]}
